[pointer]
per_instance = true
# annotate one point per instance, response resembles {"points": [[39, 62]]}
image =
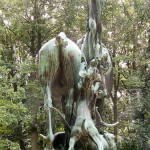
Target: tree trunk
{"points": [[115, 110], [34, 134], [21, 136]]}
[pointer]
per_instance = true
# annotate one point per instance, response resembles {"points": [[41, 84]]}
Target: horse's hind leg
{"points": [[47, 107]]}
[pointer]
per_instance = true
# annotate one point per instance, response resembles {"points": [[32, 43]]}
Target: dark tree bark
{"points": [[116, 81], [34, 134]]}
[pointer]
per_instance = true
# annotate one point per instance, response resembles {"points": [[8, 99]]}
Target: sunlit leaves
{"points": [[7, 144], [10, 114]]}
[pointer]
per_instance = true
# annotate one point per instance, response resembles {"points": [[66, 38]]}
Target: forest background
{"points": [[26, 25]]}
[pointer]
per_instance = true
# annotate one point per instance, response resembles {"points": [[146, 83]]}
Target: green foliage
{"points": [[131, 144], [10, 114], [125, 33], [7, 145]]}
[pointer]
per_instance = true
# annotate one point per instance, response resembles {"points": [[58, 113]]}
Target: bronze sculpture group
{"points": [[79, 79]]}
